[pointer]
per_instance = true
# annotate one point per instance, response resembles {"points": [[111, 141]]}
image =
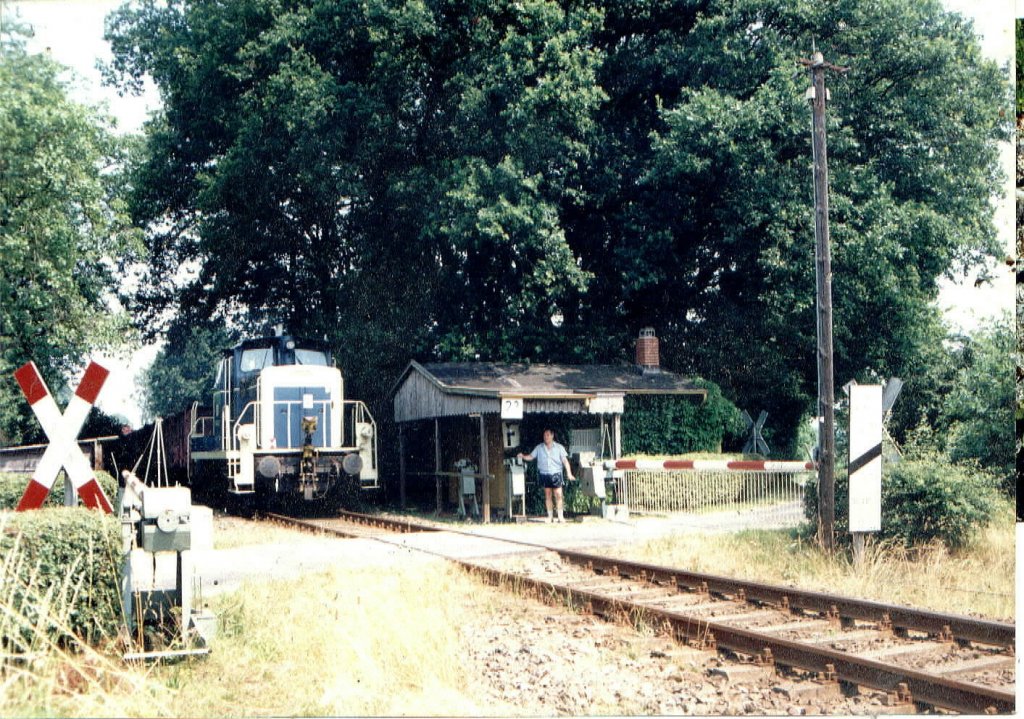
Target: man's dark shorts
{"points": [[551, 481]]}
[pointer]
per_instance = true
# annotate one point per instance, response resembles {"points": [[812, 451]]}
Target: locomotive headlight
{"points": [[269, 467], [352, 463]]}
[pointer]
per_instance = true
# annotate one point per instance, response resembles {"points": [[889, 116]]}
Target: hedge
{"points": [[660, 425], [924, 497], [61, 569], [12, 486]]}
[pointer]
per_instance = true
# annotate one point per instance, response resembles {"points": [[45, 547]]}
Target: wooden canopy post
{"points": [[401, 465], [485, 469], [616, 436], [97, 455], [437, 463]]}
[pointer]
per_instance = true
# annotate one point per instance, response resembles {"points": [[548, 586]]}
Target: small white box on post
{"points": [[865, 469]]}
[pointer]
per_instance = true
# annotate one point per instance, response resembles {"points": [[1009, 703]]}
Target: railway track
{"points": [[352, 524], [916, 657]]}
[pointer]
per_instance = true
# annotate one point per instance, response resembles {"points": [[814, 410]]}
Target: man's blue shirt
{"points": [[549, 462]]}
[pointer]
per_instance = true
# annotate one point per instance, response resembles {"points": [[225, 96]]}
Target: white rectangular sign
{"points": [[606, 404], [511, 407], [865, 458]]}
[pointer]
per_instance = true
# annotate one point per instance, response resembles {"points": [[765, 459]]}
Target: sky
{"points": [[72, 31]]}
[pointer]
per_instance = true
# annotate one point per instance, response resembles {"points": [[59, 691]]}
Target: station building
{"points": [[457, 416]]}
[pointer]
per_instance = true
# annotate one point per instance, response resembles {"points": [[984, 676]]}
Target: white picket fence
{"points": [[777, 496]]}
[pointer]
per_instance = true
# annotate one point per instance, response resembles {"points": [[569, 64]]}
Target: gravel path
{"points": [[546, 662]]}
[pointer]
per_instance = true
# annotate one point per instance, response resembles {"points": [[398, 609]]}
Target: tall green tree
{"points": [[184, 369], [387, 175], [437, 178], [976, 418], [63, 228], [707, 232], [1019, 34]]}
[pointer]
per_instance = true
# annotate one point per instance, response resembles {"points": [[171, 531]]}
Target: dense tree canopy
{"points": [[437, 178], [62, 227], [184, 369], [977, 414], [1019, 34]]}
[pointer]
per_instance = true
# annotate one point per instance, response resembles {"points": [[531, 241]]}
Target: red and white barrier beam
{"points": [[62, 430], [710, 465]]}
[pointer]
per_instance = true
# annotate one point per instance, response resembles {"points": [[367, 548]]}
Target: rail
{"points": [[716, 465], [895, 616], [919, 686], [200, 426], [905, 684], [238, 423]]}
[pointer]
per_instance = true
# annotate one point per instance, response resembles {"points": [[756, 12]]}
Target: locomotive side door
{"points": [[222, 403]]}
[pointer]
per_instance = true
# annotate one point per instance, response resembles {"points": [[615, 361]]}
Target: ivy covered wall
{"points": [[677, 424]]}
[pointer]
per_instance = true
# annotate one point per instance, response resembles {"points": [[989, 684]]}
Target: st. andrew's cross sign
{"points": [[62, 431]]}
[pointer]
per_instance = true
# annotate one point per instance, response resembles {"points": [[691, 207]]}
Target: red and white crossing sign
{"points": [[62, 430]]}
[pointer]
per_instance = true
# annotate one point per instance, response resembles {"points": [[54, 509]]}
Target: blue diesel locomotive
{"points": [[279, 426]]}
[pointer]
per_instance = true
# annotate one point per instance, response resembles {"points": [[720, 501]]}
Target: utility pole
{"points": [[818, 95]]}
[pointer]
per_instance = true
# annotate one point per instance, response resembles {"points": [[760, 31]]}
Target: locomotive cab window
{"points": [[256, 359], [218, 382], [314, 357]]}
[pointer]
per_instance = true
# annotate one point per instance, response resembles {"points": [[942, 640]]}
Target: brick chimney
{"points": [[647, 351]]}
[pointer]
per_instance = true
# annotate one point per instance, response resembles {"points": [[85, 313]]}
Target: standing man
{"points": [[551, 457]]}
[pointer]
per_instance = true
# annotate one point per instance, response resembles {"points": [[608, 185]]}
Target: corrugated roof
{"points": [[525, 380]]}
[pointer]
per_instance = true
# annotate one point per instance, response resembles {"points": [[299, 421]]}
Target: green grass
{"points": [[231, 532], [978, 579]]}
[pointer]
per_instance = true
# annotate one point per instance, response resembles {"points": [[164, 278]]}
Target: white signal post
{"points": [[865, 469], [62, 430]]}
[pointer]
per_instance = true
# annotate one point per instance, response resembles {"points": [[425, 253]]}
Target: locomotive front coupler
{"points": [[307, 464]]}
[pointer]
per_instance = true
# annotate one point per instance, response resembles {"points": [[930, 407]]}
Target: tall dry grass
{"points": [[341, 642], [345, 642], [978, 579], [233, 532], [44, 669]]}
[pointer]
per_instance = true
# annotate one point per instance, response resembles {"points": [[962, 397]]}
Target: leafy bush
{"points": [[574, 501], [976, 416], [12, 486], [677, 424], [924, 497], [928, 498], [1019, 29], [60, 580]]}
